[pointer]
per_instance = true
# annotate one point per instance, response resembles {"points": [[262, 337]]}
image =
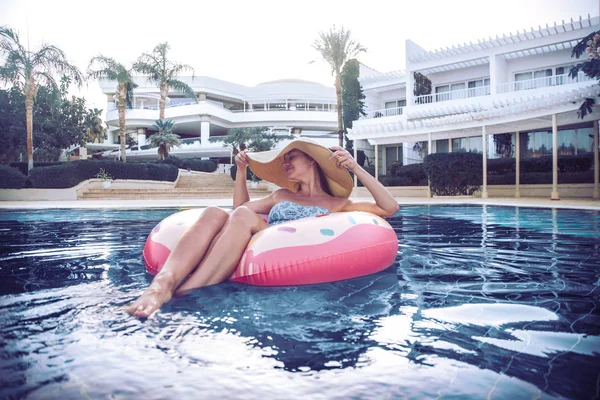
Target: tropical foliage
{"points": [[163, 72], [591, 67], [165, 139], [105, 67], [337, 47], [254, 139], [353, 105], [59, 121], [28, 70]]}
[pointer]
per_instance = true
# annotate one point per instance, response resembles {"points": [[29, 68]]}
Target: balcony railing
{"points": [[452, 95], [322, 107], [385, 112], [543, 82]]}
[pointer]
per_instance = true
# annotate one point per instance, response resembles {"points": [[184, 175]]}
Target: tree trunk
{"points": [[163, 100], [122, 132], [30, 92], [338, 95], [29, 123]]}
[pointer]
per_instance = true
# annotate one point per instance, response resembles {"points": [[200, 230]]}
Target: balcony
{"points": [[385, 112], [452, 95], [544, 82]]}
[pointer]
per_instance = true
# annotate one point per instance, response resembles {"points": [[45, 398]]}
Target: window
{"points": [[479, 87], [462, 90], [468, 144], [393, 154], [442, 146], [394, 107]]}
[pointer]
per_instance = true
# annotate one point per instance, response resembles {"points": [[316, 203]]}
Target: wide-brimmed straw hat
{"points": [[268, 165]]}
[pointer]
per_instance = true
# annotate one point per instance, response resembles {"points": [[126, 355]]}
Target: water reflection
{"points": [[498, 302]]}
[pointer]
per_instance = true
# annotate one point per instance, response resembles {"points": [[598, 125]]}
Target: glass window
{"points": [[458, 90], [585, 140], [442, 93], [523, 76], [442, 146], [393, 154]]}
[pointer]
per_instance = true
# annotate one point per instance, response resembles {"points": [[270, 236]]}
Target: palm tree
{"points": [[28, 70], [336, 47], [106, 67], [163, 72], [165, 139]]}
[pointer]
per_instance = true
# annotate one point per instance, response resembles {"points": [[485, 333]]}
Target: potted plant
{"points": [[105, 177]]}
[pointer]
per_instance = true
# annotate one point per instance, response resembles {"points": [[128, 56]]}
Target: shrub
{"points": [[72, 173], [249, 174], [414, 174], [11, 178], [453, 174], [22, 165], [195, 164]]}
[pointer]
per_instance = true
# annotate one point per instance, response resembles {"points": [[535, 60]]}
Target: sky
{"points": [[250, 42]]}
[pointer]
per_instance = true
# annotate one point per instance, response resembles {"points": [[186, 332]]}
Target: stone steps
{"points": [[193, 186]]}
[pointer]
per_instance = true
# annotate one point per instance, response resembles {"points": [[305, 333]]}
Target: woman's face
{"points": [[296, 163]]}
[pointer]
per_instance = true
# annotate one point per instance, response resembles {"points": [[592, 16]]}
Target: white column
{"points": [[376, 161], [410, 87], [204, 130], [554, 195], [82, 153], [356, 158], [429, 148], [449, 145], [141, 136], [110, 100], [484, 193], [596, 194], [517, 165]]}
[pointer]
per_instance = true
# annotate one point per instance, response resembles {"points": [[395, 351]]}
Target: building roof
{"points": [[416, 54]]}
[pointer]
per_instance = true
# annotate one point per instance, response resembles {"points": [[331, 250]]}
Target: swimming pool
{"points": [[497, 302]]}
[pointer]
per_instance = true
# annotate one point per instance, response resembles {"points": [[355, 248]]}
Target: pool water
{"points": [[482, 302]]}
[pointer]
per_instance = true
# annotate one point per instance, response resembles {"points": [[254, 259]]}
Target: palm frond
{"points": [[183, 88], [336, 47]]}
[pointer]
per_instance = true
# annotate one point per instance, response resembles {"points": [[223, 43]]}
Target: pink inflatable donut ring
{"points": [[310, 250]]}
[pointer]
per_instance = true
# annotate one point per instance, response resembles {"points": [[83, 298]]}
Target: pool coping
{"points": [[585, 204]]}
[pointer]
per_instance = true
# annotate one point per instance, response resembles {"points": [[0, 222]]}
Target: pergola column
{"points": [[517, 164], [449, 145], [484, 193], [356, 158], [554, 195], [429, 148], [376, 161], [596, 194], [204, 129]]}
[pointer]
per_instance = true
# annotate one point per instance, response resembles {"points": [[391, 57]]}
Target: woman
{"points": [[313, 180]]}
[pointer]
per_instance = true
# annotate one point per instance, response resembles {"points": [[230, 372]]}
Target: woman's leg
{"points": [[225, 254], [185, 257]]}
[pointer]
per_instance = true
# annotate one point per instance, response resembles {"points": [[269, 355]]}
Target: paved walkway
{"points": [[170, 203]]}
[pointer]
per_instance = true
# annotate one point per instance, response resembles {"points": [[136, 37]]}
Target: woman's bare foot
{"points": [[158, 293]]}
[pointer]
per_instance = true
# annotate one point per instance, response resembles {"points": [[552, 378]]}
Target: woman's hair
{"points": [[324, 183]]}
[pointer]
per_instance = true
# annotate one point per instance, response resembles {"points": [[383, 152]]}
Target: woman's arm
{"points": [[385, 205], [240, 190]]}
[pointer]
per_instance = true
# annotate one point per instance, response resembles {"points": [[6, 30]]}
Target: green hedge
{"points": [[249, 174], [526, 178], [452, 174], [502, 166], [11, 178], [22, 165], [72, 173], [194, 164]]}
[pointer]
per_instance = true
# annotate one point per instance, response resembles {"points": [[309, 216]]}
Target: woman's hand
{"points": [[241, 159], [344, 158]]}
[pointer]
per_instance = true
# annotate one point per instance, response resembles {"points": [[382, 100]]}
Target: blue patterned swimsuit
{"points": [[286, 211]]}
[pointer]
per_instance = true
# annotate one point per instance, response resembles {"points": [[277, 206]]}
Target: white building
{"points": [[290, 106], [515, 84]]}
